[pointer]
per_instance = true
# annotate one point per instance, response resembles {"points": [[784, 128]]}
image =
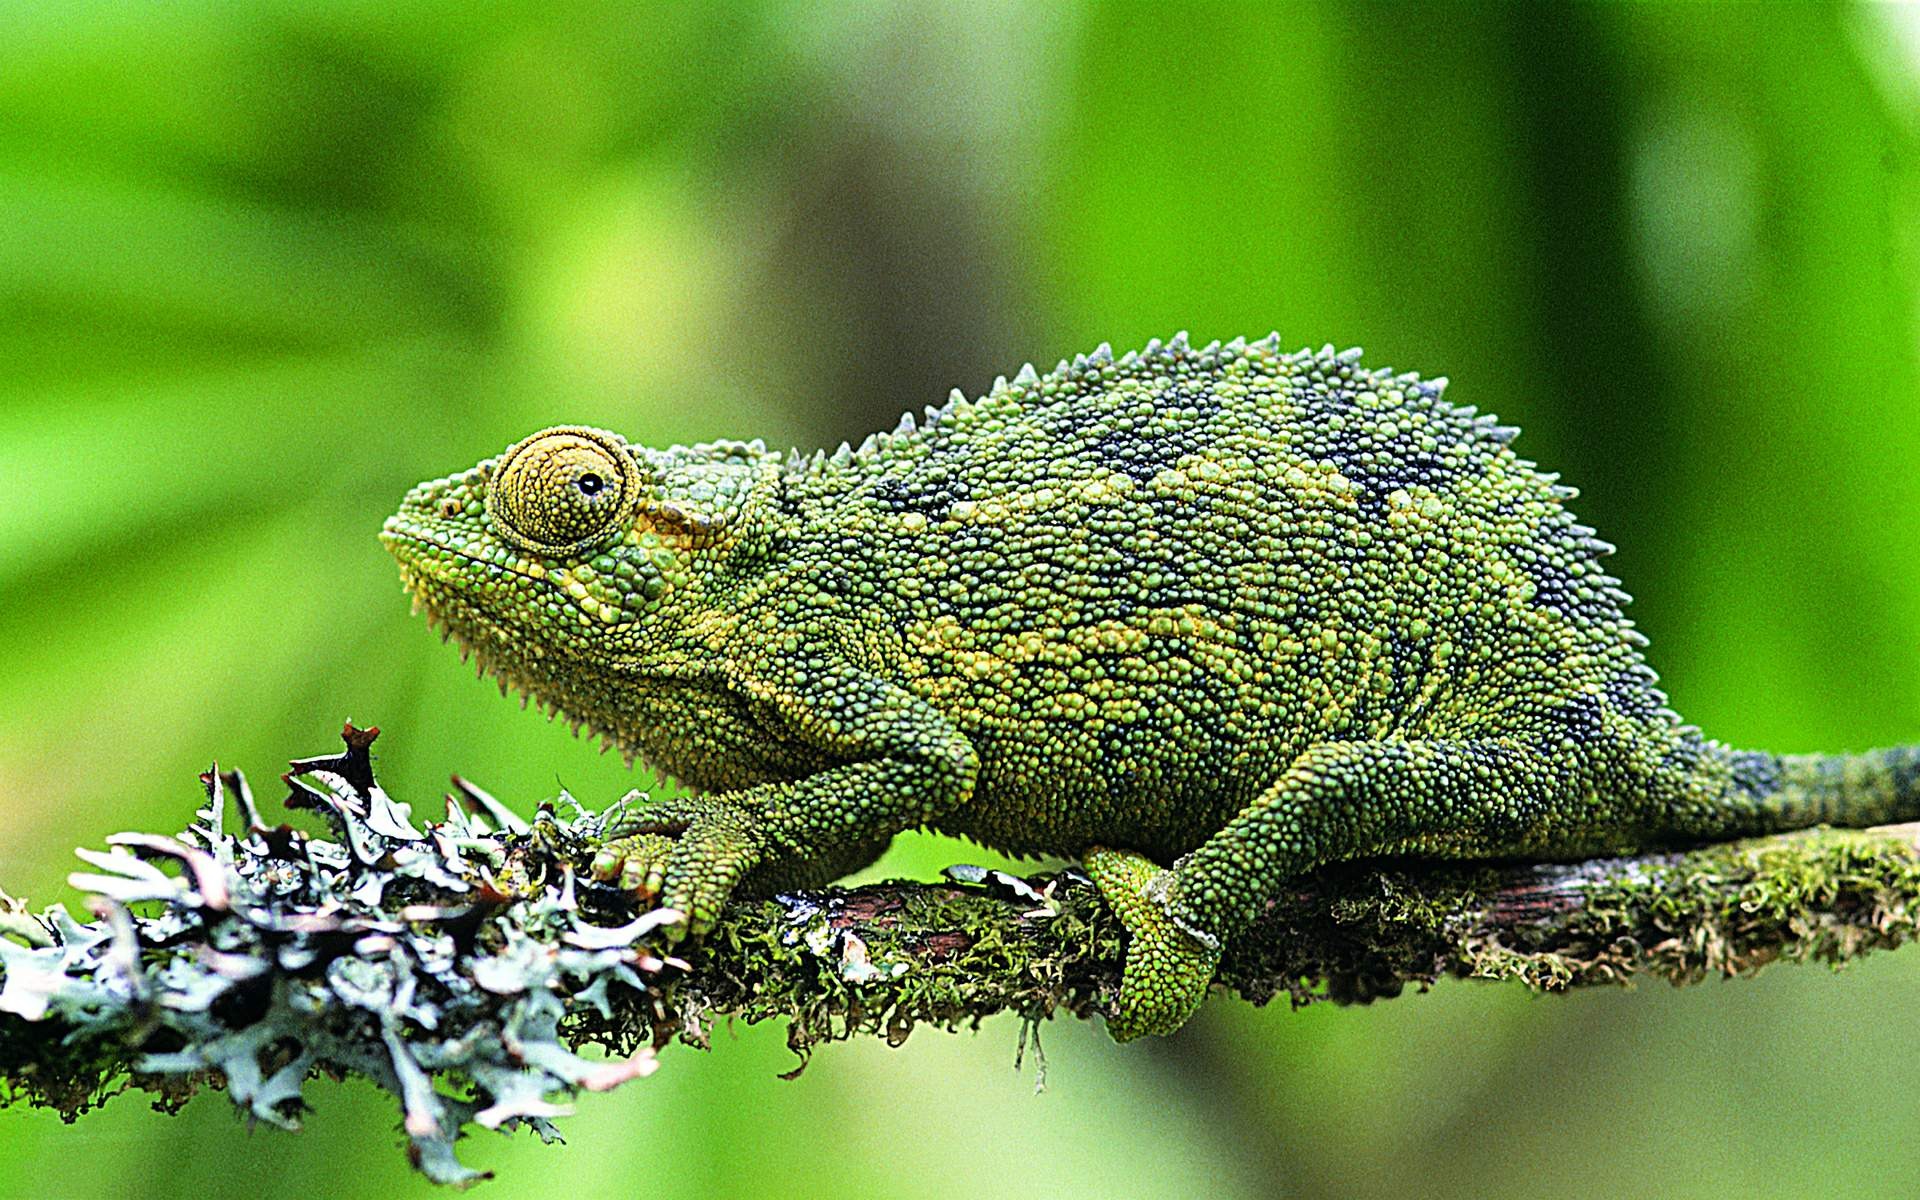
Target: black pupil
{"points": [[590, 485]]}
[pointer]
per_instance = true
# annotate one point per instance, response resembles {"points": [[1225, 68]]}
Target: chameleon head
{"points": [[576, 566]]}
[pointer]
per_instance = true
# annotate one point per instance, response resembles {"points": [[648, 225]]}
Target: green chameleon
{"points": [[1206, 618]]}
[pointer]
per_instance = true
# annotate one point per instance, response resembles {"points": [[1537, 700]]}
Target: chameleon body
{"points": [[1206, 617]]}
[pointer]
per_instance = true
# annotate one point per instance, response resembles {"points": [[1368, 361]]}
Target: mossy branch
{"points": [[461, 966], [882, 958]]}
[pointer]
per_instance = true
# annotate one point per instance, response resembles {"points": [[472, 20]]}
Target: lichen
{"points": [[450, 966]]}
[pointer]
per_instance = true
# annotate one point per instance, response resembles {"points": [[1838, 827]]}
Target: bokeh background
{"points": [[264, 265]]}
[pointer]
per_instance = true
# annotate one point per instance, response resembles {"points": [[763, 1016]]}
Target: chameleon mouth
{"points": [[507, 655], [429, 574], [456, 620], [427, 556], [513, 657]]}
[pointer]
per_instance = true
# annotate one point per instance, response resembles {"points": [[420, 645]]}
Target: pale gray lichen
{"points": [[453, 967]]}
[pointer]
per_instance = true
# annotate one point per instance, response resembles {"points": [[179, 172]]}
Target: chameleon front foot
{"points": [[686, 854], [636, 864], [1168, 969]]}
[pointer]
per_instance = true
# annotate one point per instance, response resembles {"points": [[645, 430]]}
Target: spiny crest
{"points": [[1327, 366], [1102, 357]]}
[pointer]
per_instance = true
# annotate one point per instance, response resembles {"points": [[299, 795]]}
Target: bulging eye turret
{"points": [[563, 489]]}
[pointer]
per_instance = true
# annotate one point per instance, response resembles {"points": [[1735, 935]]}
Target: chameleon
{"points": [[1204, 617]]}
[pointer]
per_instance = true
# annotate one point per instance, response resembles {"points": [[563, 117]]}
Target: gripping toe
{"points": [[1168, 969], [685, 854]]}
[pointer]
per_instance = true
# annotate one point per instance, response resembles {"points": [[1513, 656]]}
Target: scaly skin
{"points": [[1209, 617]]}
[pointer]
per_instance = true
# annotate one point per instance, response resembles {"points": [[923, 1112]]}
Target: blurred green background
{"points": [[264, 265]]}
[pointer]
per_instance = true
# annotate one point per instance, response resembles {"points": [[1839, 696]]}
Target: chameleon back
{"points": [[1166, 575]]}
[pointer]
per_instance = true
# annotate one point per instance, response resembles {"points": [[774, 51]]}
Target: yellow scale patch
{"points": [[979, 662]]}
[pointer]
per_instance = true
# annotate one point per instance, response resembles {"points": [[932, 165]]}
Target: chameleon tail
{"points": [[1745, 793]]}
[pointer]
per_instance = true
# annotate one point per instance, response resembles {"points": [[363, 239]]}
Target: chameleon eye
{"points": [[562, 489]]}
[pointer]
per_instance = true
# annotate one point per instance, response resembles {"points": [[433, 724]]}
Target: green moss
{"points": [[1358, 934], [1824, 895], [885, 959]]}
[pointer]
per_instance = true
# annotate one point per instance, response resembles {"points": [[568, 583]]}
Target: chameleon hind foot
{"points": [[1168, 969]]}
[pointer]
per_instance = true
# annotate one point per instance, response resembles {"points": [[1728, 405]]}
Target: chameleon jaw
{"points": [[456, 621]]}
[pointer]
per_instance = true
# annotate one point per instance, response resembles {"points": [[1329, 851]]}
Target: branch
{"points": [[462, 966]]}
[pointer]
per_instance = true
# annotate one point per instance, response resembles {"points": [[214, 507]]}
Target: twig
{"points": [[460, 966]]}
